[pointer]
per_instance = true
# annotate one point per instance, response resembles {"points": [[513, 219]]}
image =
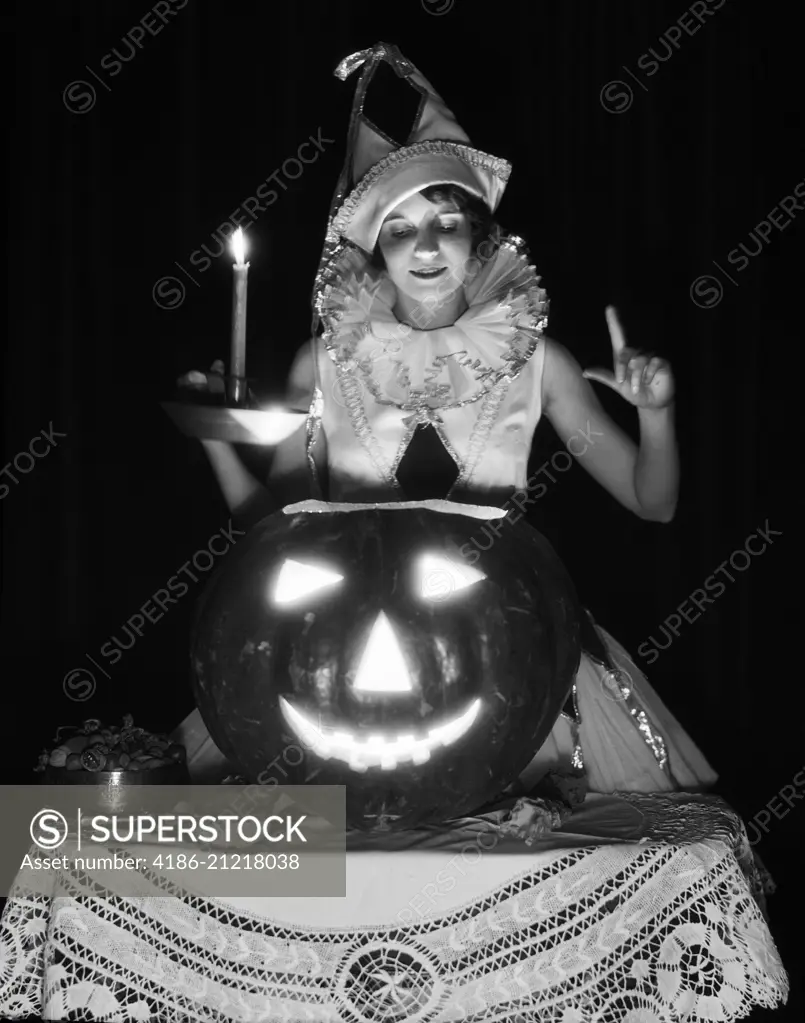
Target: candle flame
{"points": [[239, 247]]}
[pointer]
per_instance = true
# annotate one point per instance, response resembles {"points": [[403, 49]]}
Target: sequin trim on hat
{"points": [[473, 157]]}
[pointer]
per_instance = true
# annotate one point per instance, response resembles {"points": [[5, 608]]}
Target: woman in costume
{"points": [[429, 379]]}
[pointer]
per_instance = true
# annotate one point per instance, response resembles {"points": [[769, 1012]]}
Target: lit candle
{"points": [[237, 362]]}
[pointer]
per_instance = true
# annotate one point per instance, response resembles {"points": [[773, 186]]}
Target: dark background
{"points": [[625, 207]]}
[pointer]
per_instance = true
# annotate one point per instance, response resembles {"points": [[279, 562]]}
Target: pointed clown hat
{"points": [[381, 171]]}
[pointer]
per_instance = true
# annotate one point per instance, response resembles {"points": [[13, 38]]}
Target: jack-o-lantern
{"points": [[378, 647]]}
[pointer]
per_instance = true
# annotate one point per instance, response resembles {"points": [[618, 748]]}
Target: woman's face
{"points": [[427, 248]]}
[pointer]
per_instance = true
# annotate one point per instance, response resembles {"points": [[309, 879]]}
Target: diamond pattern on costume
{"points": [[426, 470]]}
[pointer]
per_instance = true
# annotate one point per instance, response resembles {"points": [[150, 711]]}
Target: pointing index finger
{"points": [[615, 330], [618, 341]]}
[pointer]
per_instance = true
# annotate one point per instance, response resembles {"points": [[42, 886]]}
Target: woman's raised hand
{"points": [[212, 382], [644, 380]]}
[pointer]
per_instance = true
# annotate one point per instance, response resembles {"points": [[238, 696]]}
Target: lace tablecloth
{"points": [[642, 909]]}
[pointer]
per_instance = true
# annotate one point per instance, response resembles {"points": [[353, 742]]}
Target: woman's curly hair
{"points": [[484, 229]]}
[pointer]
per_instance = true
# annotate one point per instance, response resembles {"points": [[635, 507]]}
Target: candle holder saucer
{"points": [[208, 416]]}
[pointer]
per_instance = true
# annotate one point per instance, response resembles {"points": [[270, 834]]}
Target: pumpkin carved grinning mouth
{"points": [[379, 750]]}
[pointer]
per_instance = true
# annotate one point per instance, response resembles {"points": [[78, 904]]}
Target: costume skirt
{"points": [[622, 733]]}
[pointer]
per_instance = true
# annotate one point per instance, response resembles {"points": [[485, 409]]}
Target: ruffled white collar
{"points": [[448, 367]]}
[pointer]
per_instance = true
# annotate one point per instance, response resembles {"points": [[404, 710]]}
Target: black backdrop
{"points": [[626, 193]]}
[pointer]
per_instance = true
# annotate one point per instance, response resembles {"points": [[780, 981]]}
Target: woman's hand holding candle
{"points": [[211, 382]]}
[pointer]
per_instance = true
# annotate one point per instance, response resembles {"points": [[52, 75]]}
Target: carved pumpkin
{"points": [[361, 638]]}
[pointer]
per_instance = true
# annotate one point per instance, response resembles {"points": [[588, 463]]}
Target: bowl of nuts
{"points": [[111, 755]]}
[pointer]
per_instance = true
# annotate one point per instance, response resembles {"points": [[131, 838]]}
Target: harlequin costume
{"points": [[451, 412]]}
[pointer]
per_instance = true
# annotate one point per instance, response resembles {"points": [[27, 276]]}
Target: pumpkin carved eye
{"points": [[438, 578], [297, 580]]}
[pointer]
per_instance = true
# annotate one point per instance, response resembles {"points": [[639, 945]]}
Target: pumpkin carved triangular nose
{"points": [[382, 668]]}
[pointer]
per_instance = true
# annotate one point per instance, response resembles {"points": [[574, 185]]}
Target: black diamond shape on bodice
{"points": [[426, 470]]}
